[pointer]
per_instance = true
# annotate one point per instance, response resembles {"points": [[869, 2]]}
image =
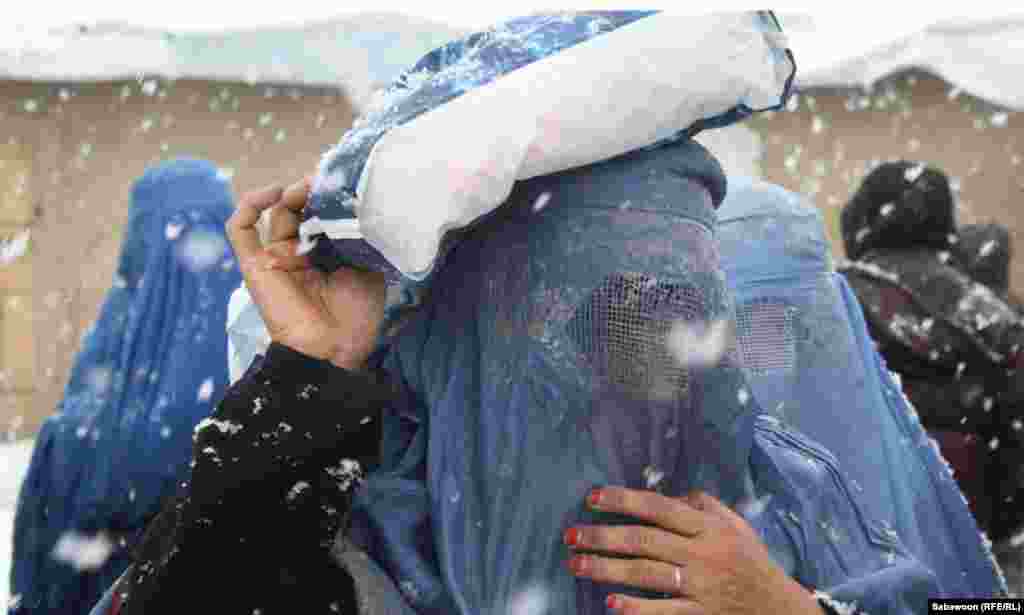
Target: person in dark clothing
{"points": [[274, 467], [955, 342], [899, 204], [985, 252]]}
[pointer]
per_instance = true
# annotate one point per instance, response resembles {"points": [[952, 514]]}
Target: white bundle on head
{"points": [[614, 93]]}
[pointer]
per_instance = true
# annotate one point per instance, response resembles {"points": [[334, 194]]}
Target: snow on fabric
{"points": [[543, 349], [151, 367], [985, 252], [806, 350], [726, 66]]}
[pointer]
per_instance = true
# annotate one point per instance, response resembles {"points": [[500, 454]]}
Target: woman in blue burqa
{"points": [[559, 423], [805, 347], [150, 368]]}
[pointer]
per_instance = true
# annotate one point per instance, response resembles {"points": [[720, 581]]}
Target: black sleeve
{"points": [[273, 470]]}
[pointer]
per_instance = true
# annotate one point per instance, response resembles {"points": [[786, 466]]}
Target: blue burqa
{"points": [[152, 366], [805, 348], [577, 345], [582, 334]]}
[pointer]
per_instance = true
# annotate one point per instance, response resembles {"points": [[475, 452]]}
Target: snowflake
{"points": [[347, 471], [297, 490], [541, 202], [84, 553], [206, 390], [653, 476], [224, 426]]}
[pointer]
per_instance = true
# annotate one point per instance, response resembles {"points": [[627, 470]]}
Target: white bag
{"points": [[614, 93], [247, 334]]}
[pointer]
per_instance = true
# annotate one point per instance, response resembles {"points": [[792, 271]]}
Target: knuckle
{"points": [[595, 537], [244, 202], [599, 568], [647, 575], [630, 608], [248, 267], [639, 540], [234, 223]]}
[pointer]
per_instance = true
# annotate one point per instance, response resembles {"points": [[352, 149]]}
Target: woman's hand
{"points": [[701, 553], [335, 317]]}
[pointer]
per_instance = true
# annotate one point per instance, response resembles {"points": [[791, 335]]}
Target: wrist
{"points": [[801, 601], [348, 358], [352, 364]]}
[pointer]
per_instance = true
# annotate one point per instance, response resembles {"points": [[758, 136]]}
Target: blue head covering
{"points": [[537, 368], [579, 335], [152, 366], [576, 345], [806, 350]]}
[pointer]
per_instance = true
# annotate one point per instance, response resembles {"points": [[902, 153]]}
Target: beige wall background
{"points": [[68, 155], [829, 139]]}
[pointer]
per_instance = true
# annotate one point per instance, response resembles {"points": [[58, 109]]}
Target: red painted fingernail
{"points": [[594, 499], [613, 602], [579, 565], [572, 537]]}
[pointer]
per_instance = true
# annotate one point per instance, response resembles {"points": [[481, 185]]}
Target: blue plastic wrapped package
{"points": [[445, 144]]}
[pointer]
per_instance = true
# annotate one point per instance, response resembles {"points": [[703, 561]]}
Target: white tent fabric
{"points": [[359, 53], [982, 55]]}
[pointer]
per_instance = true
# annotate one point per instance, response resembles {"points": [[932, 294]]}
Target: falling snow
{"points": [[987, 248], [202, 250], [172, 231], [99, 379], [84, 553], [753, 508], [226, 427], [205, 390], [653, 477], [699, 345], [347, 472], [999, 119], [409, 590], [542, 201], [297, 490], [534, 600], [913, 173], [14, 248]]}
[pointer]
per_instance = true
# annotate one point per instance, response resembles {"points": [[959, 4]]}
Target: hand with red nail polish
{"points": [[694, 549]]}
